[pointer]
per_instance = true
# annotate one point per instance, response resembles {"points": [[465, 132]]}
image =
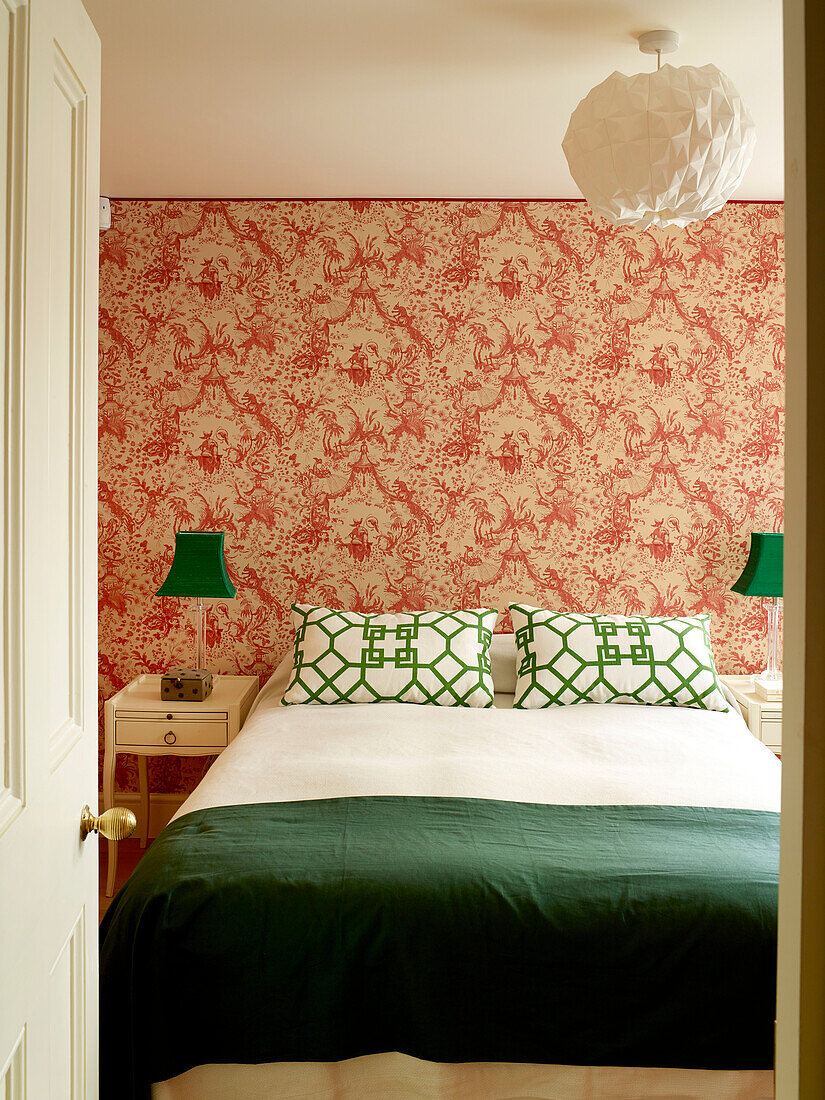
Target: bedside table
{"points": [[764, 719], [138, 721]]}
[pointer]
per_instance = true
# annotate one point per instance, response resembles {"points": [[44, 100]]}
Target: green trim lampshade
{"points": [[762, 575], [198, 568]]}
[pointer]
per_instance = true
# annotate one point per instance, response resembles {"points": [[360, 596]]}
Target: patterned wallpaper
{"points": [[406, 405]]}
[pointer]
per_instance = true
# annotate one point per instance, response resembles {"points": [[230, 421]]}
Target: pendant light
{"points": [[663, 148]]}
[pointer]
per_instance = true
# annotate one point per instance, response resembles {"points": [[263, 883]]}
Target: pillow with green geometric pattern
{"points": [[565, 657], [440, 657]]}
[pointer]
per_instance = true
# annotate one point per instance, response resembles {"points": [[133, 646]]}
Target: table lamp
{"points": [[762, 576], [199, 570]]}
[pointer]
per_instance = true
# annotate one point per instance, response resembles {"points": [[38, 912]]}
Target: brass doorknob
{"points": [[114, 824]]}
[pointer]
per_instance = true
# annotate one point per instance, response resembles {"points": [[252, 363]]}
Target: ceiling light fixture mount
{"points": [[663, 148], [659, 42]]}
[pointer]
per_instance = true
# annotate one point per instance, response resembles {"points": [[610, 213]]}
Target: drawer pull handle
{"points": [[169, 716], [170, 738]]}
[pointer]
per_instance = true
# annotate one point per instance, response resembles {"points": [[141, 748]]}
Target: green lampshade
{"points": [[762, 575], [198, 568]]}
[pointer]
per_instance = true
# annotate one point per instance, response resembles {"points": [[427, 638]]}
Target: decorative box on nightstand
{"points": [[138, 721], [764, 717]]}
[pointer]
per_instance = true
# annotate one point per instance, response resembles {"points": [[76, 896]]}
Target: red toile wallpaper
{"points": [[406, 405]]}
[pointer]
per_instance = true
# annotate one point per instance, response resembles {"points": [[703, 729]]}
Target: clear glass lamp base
{"points": [[768, 684]]}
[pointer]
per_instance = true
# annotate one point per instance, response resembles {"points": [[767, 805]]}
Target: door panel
{"points": [[14, 47], [49, 124], [65, 488], [67, 999], [12, 1082]]}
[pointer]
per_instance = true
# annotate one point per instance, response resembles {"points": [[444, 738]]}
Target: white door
{"points": [[49, 182]]}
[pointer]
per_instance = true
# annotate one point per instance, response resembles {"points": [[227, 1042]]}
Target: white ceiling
{"points": [[394, 98]]}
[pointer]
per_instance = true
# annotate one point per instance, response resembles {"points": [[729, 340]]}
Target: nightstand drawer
{"points": [[169, 732], [188, 712], [770, 731]]}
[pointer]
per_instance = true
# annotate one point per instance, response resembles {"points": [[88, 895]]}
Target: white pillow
{"points": [[440, 657], [565, 658]]}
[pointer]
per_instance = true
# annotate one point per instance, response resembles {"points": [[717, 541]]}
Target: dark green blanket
{"points": [[450, 929]]}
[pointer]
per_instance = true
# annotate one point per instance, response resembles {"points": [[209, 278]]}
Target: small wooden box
{"points": [[186, 685]]}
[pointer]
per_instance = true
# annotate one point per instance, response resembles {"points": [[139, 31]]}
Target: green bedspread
{"points": [[451, 929]]}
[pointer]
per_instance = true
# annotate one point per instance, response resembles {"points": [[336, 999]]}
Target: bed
{"points": [[399, 901]]}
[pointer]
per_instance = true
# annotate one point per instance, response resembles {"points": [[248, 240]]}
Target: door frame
{"points": [[800, 1051]]}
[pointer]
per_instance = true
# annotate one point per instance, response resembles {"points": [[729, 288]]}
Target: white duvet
{"points": [[589, 754]]}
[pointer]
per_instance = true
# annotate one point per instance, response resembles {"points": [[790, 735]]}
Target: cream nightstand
{"points": [[764, 719], [137, 720]]}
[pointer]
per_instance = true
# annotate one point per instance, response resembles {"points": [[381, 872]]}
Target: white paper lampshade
{"points": [[661, 148]]}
